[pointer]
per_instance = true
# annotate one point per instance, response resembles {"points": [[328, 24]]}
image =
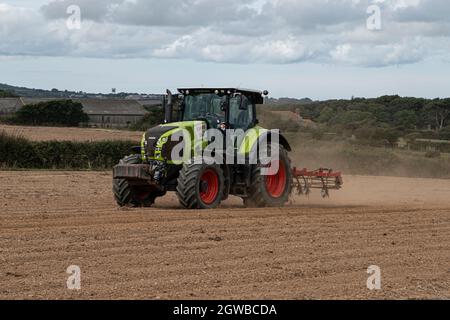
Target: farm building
{"points": [[151, 102], [110, 113], [103, 113], [28, 101]]}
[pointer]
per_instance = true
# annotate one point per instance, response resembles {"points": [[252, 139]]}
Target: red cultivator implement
{"points": [[323, 179]]}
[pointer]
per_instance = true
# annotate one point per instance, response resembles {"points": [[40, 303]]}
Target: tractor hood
{"points": [[156, 143], [155, 133]]}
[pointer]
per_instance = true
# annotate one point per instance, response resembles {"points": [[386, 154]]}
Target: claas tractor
{"points": [[176, 156]]}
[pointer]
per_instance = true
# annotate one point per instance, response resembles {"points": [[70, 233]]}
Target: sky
{"points": [[321, 49]]}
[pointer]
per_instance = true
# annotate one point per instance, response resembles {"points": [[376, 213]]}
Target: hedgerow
{"points": [[20, 153]]}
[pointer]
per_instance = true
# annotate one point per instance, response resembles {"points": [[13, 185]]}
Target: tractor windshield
{"points": [[206, 107]]}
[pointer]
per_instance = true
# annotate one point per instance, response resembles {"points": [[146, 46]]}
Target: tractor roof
{"points": [[255, 94]]}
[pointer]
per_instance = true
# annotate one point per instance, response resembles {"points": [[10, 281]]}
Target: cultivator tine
{"points": [[325, 193], [301, 186], [323, 179]]}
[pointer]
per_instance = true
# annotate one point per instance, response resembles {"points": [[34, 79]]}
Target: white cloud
{"points": [[249, 31]]}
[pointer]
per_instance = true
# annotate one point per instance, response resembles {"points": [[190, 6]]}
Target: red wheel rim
{"points": [[276, 183], [210, 181]]}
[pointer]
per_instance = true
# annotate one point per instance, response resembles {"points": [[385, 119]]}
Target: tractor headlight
{"points": [[163, 140]]}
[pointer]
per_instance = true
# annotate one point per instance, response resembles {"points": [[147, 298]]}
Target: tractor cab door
{"points": [[241, 113], [205, 107]]}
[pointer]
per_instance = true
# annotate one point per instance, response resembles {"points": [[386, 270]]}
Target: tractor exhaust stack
{"points": [[168, 108]]}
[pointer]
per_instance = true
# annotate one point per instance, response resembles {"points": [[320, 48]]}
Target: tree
{"points": [[441, 111], [154, 117], [326, 114], [355, 119], [406, 119], [63, 112]]}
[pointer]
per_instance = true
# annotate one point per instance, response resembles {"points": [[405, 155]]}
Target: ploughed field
{"points": [[71, 134], [311, 249]]}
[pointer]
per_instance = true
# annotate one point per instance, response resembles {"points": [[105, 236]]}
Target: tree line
{"points": [[383, 118], [7, 94], [51, 113]]}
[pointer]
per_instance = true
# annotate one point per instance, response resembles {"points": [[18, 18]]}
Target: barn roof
{"points": [[112, 107], [28, 101], [150, 102]]}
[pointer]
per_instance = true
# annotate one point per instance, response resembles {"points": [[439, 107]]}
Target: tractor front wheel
{"points": [[200, 186], [134, 196]]}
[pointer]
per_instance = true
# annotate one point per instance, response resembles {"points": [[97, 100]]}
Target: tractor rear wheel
{"points": [[200, 186], [271, 190], [134, 196]]}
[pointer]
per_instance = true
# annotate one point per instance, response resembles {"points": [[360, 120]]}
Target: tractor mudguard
{"points": [[281, 139], [259, 135]]}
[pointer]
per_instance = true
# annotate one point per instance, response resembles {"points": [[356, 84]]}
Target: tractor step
{"points": [[323, 179]]}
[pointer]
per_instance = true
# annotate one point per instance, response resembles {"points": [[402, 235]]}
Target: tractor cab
{"points": [[219, 108]]}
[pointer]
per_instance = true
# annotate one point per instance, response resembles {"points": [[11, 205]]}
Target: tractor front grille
{"points": [[152, 136]]}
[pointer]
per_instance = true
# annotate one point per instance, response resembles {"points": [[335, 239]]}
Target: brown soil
{"points": [[70, 134], [312, 249]]}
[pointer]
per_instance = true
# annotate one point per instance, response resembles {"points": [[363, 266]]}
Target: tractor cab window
{"points": [[206, 107], [241, 115]]}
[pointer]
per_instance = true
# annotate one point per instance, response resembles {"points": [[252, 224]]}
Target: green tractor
{"points": [[172, 156]]}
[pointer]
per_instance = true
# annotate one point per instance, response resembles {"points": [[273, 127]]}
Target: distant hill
{"points": [[64, 94], [37, 93]]}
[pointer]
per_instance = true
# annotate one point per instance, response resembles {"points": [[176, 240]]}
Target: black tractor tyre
{"points": [[262, 195], [133, 196], [200, 186]]}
